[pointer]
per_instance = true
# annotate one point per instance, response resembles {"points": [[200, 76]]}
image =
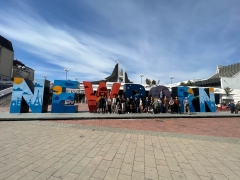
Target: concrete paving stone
{"points": [[163, 171], [206, 178], [123, 177], [101, 153], [126, 169], [87, 172], [129, 158], [50, 155], [164, 178], [185, 166], [46, 164], [9, 172], [212, 170], [93, 178], [84, 161], [93, 152], [200, 170], [190, 174], [53, 178], [22, 172], [119, 156], [99, 174], [96, 160], [178, 175], [138, 176], [230, 164], [70, 176], [226, 171], [161, 162], [168, 154], [214, 161], [203, 160], [116, 163], [237, 173], [104, 165], [180, 157], [77, 169], [138, 166], [9, 166], [173, 164], [112, 174], [41, 177], [219, 176], [66, 158], [31, 175], [151, 173], [139, 158], [109, 156], [65, 169], [78, 157]]}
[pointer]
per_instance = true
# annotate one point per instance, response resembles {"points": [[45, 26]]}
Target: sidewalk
{"points": [[40, 150], [84, 114]]}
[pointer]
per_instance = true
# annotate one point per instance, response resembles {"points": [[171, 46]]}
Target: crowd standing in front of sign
{"points": [[122, 105]]}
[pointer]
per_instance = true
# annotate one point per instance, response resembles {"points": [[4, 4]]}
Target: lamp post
{"points": [[171, 77], [141, 75], [45, 77], [66, 69]]}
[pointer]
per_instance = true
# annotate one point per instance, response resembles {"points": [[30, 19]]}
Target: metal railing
{"points": [[5, 92]]}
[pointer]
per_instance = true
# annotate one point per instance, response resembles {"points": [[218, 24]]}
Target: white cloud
{"points": [[157, 45]]}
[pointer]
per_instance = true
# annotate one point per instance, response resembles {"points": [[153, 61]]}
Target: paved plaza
{"points": [[57, 150]]}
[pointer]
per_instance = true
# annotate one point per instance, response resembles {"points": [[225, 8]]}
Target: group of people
{"points": [[122, 105], [234, 107]]}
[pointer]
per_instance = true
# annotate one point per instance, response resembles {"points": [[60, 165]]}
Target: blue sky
{"points": [[186, 39]]}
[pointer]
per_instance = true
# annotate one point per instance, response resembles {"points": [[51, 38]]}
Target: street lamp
{"points": [[171, 77], [66, 69], [45, 77], [141, 75]]}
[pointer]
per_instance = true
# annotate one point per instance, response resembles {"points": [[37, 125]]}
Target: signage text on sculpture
{"points": [[35, 95]]}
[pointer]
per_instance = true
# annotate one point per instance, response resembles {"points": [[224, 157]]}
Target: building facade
{"points": [[6, 59]]}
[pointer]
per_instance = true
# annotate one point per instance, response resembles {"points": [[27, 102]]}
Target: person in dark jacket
{"points": [[137, 101], [232, 106]]}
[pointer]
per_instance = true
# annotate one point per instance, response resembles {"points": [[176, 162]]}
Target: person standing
{"points": [[155, 106], [237, 107], [114, 103], [165, 105], [141, 104], [137, 105], [109, 104], [177, 105], [186, 106], [146, 108], [232, 106], [159, 105], [128, 106], [123, 102], [171, 104]]}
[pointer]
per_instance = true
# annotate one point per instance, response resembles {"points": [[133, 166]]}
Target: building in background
{"points": [[10, 68], [6, 59], [20, 70]]}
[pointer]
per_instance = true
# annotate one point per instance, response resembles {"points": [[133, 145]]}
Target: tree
{"points": [[228, 90], [154, 82], [189, 83], [148, 81]]}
